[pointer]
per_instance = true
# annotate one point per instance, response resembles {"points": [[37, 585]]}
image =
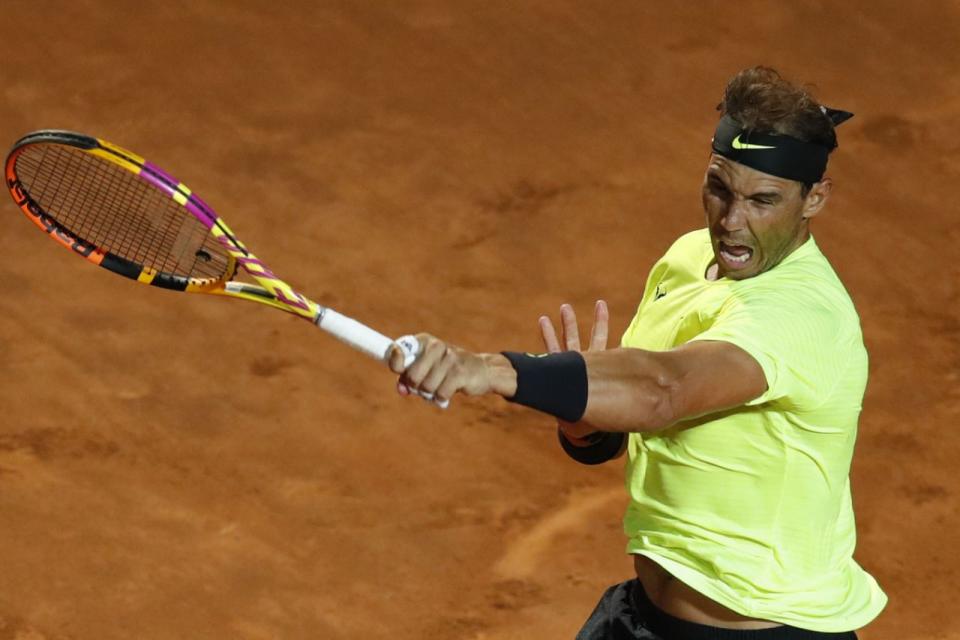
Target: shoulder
{"points": [[794, 311], [807, 342], [804, 322], [804, 287]]}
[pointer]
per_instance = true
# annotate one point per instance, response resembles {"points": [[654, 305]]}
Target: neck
{"points": [[800, 240]]}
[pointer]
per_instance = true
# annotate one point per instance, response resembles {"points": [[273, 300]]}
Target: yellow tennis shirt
{"points": [[752, 506]]}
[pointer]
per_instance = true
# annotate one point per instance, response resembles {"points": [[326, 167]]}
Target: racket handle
{"points": [[373, 343], [356, 334]]}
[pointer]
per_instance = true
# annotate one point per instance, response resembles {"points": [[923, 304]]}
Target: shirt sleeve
{"points": [[798, 341]]}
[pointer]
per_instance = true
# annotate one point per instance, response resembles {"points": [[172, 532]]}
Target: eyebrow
{"points": [[769, 195]]}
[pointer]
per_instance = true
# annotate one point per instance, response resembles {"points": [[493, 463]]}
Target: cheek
{"points": [[774, 232], [713, 206]]}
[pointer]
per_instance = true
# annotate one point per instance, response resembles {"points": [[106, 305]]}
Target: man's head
{"points": [[764, 181]]}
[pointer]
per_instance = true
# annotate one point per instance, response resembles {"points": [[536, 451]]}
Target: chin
{"points": [[741, 274]]}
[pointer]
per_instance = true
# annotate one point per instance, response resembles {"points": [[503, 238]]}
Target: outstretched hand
{"points": [[570, 341], [441, 370]]}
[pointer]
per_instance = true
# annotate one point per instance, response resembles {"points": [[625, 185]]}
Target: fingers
{"points": [[452, 382], [549, 335], [571, 334], [440, 373], [431, 353], [601, 325]]}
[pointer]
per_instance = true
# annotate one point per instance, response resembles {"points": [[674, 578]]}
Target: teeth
{"points": [[736, 259]]}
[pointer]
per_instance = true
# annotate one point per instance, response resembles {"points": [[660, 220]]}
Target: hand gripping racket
{"points": [[127, 215]]}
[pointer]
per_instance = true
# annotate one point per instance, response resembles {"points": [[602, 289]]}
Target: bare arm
{"points": [[637, 390], [629, 389]]}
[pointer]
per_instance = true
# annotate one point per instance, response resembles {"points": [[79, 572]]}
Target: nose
{"points": [[735, 217]]}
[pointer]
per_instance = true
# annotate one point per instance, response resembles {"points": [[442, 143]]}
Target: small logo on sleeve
{"points": [[660, 292]]}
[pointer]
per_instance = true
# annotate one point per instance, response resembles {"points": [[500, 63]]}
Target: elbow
{"points": [[662, 414], [662, 402]]}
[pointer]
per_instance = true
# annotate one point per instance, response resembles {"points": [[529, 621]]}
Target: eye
{"points": [[764, 201], [718, 188]]}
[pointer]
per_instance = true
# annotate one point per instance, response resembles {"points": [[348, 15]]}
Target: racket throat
{"points": [[249, 290]]}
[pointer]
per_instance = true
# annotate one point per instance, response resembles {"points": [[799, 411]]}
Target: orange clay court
{"points": [[184, 467]]}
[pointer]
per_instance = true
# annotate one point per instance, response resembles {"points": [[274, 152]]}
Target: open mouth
{"points": [[735, 255]]}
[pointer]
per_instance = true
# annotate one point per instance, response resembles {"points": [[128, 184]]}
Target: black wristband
{"points": [[604, 446], [555, 383]]}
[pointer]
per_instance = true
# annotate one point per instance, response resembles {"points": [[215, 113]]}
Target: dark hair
{"points": [[761, 100]]}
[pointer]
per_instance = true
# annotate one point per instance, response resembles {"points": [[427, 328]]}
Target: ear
{"points": [[817, 198]]}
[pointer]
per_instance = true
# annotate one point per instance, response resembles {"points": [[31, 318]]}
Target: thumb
{"points": [[396, 359]]}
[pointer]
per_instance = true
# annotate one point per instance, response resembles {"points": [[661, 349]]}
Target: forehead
{"points": [[740, 177]]}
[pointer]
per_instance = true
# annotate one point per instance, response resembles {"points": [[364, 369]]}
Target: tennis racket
{"points": [[120, 212]]}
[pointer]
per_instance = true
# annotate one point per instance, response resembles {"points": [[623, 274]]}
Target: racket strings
{"points": [[112, 208]]}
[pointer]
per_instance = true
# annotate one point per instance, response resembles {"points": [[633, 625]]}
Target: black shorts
{"points": [[625, 613]]}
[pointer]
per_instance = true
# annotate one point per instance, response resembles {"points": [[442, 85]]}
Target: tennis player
{"points": [[735, 394]]}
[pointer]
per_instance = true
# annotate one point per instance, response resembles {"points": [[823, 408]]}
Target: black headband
{"points": [[778, 155]]}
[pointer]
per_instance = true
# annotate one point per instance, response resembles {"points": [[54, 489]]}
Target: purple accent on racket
{"points": [[167, 181], [150, 175], [201, 214], [201, 210]]}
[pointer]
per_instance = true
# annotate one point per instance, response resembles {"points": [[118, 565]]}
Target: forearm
{"points": [[623, 389], [629, 390], [617, 390], [620, 390], [595, 448]]}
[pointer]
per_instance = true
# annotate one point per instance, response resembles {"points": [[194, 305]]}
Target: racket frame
{"points": [[269, 288]]}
